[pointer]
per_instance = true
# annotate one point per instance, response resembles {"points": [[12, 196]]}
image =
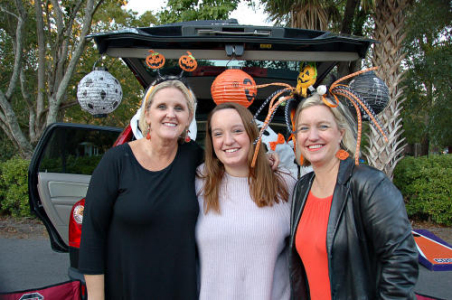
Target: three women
{"points": [[351, 238]]}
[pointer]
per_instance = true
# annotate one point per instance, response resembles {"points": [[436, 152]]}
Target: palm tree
{"points": [[308, 14], [389, 17]]}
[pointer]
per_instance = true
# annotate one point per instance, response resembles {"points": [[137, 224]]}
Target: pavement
{"points": [[28, 263], [434, 283]]}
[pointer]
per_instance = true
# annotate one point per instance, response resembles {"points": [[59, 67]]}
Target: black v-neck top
{"points": [[139, 226]]}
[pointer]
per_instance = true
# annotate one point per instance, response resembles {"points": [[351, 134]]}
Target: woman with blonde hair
{"points": [[243, 223], [350, 234], [138, 239]]}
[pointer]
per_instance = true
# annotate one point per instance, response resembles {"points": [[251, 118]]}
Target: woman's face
{"points": [[168, 114], [318, 136], [230, 141]]}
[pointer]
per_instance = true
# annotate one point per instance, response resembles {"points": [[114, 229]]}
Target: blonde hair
{"points": [[149, 97], [344, 121], [266, 187]]}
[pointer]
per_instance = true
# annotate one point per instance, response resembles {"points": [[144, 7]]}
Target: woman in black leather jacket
{"points": [[350, 234]]}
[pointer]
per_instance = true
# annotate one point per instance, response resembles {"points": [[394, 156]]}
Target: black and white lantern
{"points": [[372, 89], [99, 93]]}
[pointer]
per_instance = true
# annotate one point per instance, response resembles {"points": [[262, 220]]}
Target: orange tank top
{"points": [[310, 242]]}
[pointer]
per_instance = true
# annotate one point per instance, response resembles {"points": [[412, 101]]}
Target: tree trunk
{"points": [[8, 119], [425, 146], [53, 71], [389, 21]]}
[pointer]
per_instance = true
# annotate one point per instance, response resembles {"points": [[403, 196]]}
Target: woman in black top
{"points": [[138, 229]]}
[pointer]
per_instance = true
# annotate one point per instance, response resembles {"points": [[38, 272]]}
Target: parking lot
{"points": [[27, 262]]}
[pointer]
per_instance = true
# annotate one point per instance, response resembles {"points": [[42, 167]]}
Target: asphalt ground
{"points": [[28, 263]]}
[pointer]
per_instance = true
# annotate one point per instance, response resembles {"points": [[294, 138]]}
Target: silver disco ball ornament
{"points": [[372, 89], [99, 93]]}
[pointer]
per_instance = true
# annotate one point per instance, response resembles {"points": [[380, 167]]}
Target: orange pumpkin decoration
{"points": [[155, 60], [234, 85], [188, 62]]}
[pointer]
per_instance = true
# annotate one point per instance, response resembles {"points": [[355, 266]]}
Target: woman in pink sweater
{"points": [[243, 223]]}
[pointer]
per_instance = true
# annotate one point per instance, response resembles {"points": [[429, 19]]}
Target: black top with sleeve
{"points": [[139, 226]]}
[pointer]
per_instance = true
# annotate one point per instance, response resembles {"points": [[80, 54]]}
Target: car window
{"points": [[78, 154]]}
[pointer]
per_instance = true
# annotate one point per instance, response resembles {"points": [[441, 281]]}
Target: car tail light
{"points": [[75, 223]]}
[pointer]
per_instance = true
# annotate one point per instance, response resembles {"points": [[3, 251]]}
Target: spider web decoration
{"points": [[372, 90]]}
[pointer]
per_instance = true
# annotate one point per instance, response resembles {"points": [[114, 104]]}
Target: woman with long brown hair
{"points": [[243, 223]]}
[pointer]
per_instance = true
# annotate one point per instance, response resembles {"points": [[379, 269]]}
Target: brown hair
{"points": [[344, 121], [266, 187]]}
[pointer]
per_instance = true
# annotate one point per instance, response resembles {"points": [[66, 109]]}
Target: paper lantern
{"points": [[234, 85], [372, 89], [99, 93]]}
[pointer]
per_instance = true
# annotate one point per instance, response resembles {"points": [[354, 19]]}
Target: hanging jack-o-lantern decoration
{"points": [[99, 93], [155, 60], [306, 78], [234, 85], [188, 62]]}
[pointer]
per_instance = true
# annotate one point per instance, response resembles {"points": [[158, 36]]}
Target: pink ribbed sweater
{"points": [[243, 253]]}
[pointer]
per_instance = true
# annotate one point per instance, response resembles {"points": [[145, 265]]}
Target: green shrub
{"points": [[14, 187], [426, 184]]}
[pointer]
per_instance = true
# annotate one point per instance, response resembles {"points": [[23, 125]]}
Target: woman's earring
{"points": [[301, 159], [148, 136], [187, 137], [342, 154]]}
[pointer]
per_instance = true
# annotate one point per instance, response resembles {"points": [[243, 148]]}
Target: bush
{"points": [[426, 184], [14, 187]]}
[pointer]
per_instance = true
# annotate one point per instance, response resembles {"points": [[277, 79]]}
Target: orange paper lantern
{"points": [[234, 85]]}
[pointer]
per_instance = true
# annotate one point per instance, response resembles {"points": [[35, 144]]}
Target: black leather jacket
{"points": [[371, 250]]}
